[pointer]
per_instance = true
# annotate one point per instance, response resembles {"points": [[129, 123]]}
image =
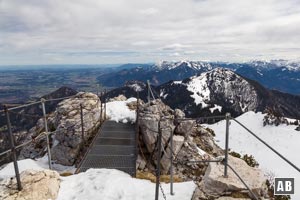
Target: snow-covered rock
{"points": [[42, 185]]}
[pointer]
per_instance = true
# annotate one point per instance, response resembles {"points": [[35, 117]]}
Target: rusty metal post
{"points": [[104, 105], [101, 108], [171, 167], [158, 162], [227, 117], [46, 131], [81, 119], [137, 127], [13, 149], [148, 96]]}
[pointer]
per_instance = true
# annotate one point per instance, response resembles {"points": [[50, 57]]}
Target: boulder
{"points": [[179, 114], [149, 129], [215, 184], [185, 127], [178, 141], [118, 98], [42, 185]]}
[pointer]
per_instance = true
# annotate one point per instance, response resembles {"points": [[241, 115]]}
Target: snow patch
{"points": [[201, 152], [136, 87], [177, 82], [8, 171], [109, 184], [198, 86], [216, 107], [118, 111]]}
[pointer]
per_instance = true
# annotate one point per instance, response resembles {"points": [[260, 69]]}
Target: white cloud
{"points": [[154, 30]]}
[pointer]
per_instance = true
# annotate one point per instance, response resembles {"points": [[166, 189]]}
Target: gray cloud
{"points": [[99, 31]]}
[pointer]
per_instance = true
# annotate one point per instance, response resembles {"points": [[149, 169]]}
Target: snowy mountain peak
{"points": [[219, 88], [165, 65], [273, 64]]}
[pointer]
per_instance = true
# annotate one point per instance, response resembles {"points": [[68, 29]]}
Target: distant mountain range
{"points": [[279, 75], [216, 92]]}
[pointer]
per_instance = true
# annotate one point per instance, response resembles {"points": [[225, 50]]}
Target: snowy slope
{"points": [[283, 138]]}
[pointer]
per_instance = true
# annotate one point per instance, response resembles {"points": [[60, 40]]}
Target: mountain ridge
{"points": [[279, 75], [216, 92]]}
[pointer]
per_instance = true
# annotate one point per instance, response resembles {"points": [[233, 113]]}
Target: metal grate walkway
{"points": [[113, 148]]}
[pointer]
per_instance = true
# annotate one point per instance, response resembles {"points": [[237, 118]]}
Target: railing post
{"points": [[171, 167], [46, 131], [104, 105], [158, 163], [81, 119], [227, 117], [13, 149], [137, 126], [148, 97], [101, 111]]}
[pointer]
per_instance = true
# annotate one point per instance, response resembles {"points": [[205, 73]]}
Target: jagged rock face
{"points": [[235, 90], [185, 127], [216, 91], [185, 147], [41, 185], [68, 114], [215, 184], [153, 116], [66, 121], [191, 142], [177, 144]]}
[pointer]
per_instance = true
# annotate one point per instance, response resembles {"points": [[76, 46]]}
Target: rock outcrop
{"points": [[66, 122], [186, 142], [42, 185], [152, 117], [192, 142], [215, 184]]}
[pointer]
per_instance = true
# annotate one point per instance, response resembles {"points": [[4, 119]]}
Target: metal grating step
{"points": [[110, 141], [129, 135], [112, 129], [112, 150], [98, 161]]}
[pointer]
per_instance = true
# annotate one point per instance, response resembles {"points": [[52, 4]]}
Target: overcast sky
{"points": [[121, 31]]}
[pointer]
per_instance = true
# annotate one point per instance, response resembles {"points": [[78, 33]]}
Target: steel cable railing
{"points": [[269, 146], [46, 133]]}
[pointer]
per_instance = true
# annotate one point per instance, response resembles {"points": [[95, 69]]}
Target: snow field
{"points": [[285, 139]]}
